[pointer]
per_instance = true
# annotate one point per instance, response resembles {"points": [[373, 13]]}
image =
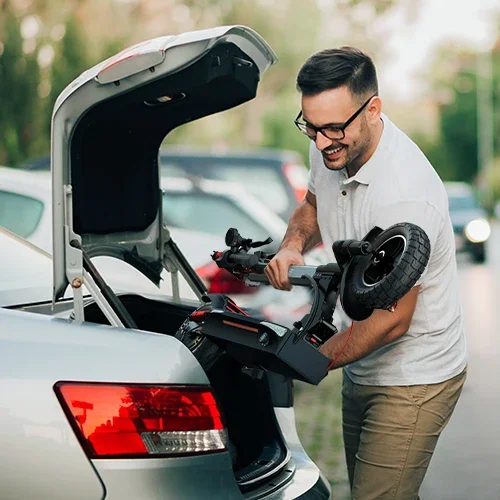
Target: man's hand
{"points": [[277, 269]]}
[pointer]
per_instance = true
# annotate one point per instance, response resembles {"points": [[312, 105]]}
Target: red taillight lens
{"points": [[114, 420], [297, 176], [222, 281]]}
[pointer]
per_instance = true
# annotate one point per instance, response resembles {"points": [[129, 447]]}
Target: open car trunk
{"points": [[107, 129], [257, 450]]}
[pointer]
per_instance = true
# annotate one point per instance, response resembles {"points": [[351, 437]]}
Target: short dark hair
{"points": [[334, 68]]}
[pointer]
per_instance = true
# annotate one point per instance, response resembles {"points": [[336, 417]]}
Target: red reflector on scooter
{"points": [[123, 421]]}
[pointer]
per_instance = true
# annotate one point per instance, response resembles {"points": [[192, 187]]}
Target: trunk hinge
{"points": [[175, 262]]}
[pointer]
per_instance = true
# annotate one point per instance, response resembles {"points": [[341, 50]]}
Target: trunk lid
{"points": [[107, 128]]}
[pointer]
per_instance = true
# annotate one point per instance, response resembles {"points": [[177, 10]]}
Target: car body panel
{"points": [[37, 352], [227, 62], [35, 339], [25, 273], [156, 479]]}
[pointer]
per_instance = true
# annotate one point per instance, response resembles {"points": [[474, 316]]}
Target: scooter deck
{"points": [[267, 346]]}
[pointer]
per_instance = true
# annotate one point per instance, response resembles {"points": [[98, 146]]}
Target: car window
{"points": [[263, 182], [210, 214], [19, 214], [462, 203]]}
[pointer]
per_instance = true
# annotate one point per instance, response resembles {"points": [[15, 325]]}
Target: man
{"points": [[403, 370]]}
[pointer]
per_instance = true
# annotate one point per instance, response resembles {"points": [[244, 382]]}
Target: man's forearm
{"points": [[303, 231], [381, 328]]}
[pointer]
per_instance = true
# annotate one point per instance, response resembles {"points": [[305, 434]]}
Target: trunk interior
{"points": [[256, 445]]}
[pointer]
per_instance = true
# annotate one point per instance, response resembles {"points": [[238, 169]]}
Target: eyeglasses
{"points": [[329, 131]]}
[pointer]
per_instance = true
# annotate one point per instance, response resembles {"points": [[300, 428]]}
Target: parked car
{"points": [[198, 214], [469, 219], [26, 205], [278, 178], [26, 210], [214, 206], [110, 402]]}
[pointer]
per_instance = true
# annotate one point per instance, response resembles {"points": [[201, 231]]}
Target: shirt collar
{"points": [[369, 170]]}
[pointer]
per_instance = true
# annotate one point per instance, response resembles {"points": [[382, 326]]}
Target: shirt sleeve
{"points": [[420, 213], [312, 169]]}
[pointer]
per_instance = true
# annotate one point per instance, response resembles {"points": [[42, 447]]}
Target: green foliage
{"points": [[437, 155], [95, 30], [70, 61], [458, 127], [279, 130], [454, 152], [19, 80]]}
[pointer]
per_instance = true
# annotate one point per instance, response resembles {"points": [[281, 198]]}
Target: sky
{"points": [[436, 21]]}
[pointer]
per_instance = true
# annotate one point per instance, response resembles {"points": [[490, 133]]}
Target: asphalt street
{"points": [[466, 464]]}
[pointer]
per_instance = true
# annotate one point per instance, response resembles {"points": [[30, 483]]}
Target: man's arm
{"points": [[381, 328], [303, 231], [301, 235]]}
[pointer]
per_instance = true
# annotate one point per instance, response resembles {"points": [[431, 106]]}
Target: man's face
{"points": [[334, 107]]}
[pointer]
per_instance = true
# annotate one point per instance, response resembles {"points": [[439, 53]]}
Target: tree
{"points": [[70, 61], [19, 81], [454, 77]]}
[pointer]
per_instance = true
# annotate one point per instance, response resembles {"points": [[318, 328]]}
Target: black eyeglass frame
{"points": [[302, 126]]}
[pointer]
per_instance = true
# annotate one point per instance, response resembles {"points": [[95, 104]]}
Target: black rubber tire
{"points": [[408, 250], [205, 351]]}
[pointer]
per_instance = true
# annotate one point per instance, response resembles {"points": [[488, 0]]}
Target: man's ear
{"points": [[374, 109]]}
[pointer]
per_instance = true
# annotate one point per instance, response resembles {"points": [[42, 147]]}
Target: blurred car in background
{"points": [[26, 205], [278, 178], [197, 213], [469, 219], [215, 206]]}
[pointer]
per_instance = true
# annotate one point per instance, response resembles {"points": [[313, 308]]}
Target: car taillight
{"points": [[222, 281], [123, 421], [297, 176]]}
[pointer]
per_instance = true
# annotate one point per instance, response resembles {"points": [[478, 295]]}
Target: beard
{"points": [[350, 157]]}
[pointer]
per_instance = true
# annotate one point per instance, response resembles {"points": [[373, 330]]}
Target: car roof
{"points": [[42, 163], [209, 186], [233, 153]]}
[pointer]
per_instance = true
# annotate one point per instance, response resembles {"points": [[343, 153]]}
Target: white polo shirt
{"points": [[398, 184]]}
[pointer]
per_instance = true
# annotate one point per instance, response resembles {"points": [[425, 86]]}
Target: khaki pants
{"points": [[390, 434]]}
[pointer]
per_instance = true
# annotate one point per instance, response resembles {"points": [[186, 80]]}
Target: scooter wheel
{"points": [[205, 351], [401, 254]]}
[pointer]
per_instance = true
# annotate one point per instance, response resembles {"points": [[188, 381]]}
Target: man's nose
{"points": [[322, 142]]}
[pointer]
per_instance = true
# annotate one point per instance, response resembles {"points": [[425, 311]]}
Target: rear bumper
{"points": [[207, 476], [307, 482], [211, 476]]}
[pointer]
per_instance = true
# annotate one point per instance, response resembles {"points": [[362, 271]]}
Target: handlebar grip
{"points": [[244, 260], [352, 247]]}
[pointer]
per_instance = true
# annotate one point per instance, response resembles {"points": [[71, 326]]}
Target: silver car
{"points": [[99, 397]]}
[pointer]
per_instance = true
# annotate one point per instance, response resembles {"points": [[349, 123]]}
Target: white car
{"points": [[99, 396], [26, 205]]}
